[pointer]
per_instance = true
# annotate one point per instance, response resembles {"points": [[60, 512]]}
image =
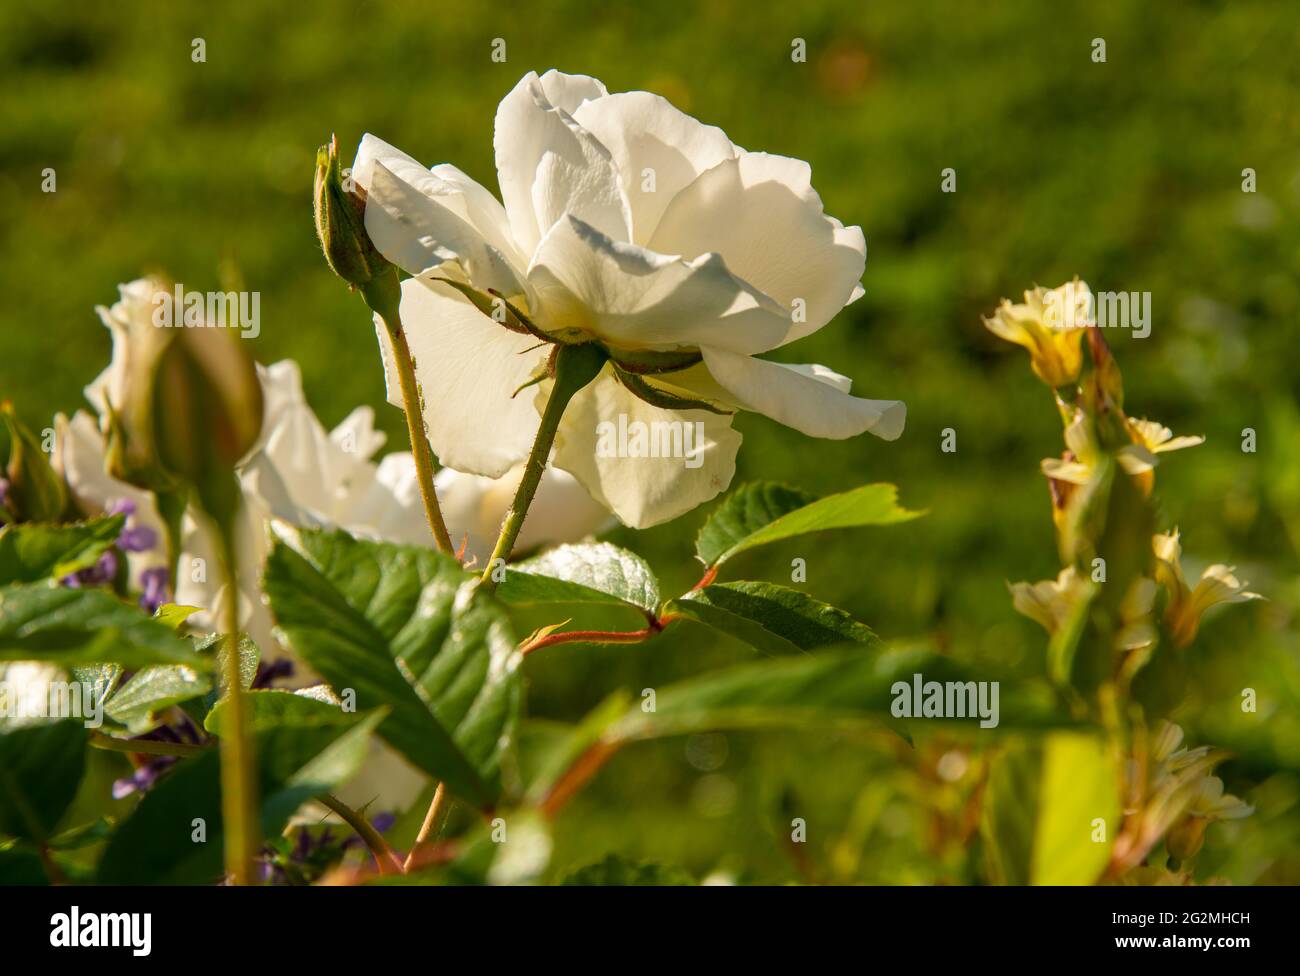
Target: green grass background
{"points": [[1126, 173]]}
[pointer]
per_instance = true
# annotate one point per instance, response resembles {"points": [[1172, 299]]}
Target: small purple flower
{"points": [[153, 582], [143, 779], [104, 571], [123, 506], [181, 729], [138, 538], [4, 491]]}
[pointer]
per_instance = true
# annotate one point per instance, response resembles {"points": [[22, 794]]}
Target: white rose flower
{"points": [[629, 223], [474, 506]]}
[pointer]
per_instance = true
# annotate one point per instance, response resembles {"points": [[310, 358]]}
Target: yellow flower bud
{"points": [[1050, 325]]}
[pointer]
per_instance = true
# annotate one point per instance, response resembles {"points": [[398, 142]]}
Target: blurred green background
{"points": [[1127, 173]]}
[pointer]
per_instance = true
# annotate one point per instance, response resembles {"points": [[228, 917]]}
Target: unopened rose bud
{"points": [[33, 491], [121, 393], [341, 221], [207, 414]]}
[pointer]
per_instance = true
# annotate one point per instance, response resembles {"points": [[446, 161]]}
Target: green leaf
{"points": [[849, 689], [590, 573], [618, 870], [550, 748], [217, 646], [40, 769], [102, 678], [47, 622], [853, 685], [151, 690], [174, 614], [406, 627], [763, 512], [19, 866], [32, 551], [772, 618], [269, 708], [1041, 808], [302, 750]]}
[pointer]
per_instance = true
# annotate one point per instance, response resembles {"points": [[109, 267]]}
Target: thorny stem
{"points": [[656, 625], [577, 775], [574, 367], [238, 789], [429, 829], [384, 855], [383, 295]]}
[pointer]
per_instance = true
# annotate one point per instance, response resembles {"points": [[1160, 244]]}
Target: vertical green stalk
{"points": [[383, 295], [171, 507], [574, 367], [238, 786]]}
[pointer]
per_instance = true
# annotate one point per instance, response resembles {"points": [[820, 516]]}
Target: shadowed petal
{"points": [[468, 367], [696, 462]]}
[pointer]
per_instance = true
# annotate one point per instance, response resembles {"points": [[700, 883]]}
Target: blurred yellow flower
{"points": [[1159, 439], [1049, 324], [1217, 585], [1138, 459], [1149, 439], [1208, 804], [1049, 602], [1213, 804]]}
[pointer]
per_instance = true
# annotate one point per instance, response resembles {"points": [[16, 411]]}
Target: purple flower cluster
{"points": [[310, 852], [181, 729], [133, 538]]}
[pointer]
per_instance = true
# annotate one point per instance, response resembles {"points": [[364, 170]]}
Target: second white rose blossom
{"points": [[298, 472], [628, 223]]}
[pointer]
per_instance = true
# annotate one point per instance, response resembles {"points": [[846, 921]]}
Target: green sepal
{"points": [[657, 397]]}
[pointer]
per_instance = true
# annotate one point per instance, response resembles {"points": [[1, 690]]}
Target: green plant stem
{"points": [[573, 368], [146, 747], [429, 829], [383, 295], [238, 788], [171, 506], [384, 856]]}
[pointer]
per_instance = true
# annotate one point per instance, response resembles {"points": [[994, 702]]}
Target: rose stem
{"points": [[384, 856], [238, 790], [428, 829], [574, 368], [384, 295]]}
